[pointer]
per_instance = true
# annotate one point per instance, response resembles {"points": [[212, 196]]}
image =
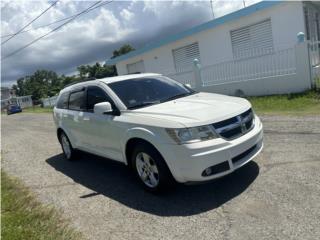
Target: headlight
{"points": [[190, 135]]}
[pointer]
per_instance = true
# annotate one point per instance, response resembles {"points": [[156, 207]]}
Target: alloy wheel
{"points": [[147, 170], [66, 146]]}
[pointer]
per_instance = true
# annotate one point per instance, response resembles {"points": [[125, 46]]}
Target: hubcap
{"points": [[66, 146], [147, 169]]}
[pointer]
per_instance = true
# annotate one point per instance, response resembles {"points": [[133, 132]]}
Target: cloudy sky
{"points": [[93, 36]]}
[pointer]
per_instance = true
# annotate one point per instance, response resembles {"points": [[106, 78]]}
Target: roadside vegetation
{"points": [[23, 217], [307, 103], [38, 109]]}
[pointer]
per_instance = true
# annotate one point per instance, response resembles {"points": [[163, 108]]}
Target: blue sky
{"points": [[92, 37]]}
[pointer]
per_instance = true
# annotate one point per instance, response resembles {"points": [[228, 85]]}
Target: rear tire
{"points": [[151, 169], [68, 151]]}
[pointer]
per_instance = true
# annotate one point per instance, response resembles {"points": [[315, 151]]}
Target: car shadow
{"points": [[116, 181]]}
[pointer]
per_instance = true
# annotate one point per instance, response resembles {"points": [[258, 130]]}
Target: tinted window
{"points": [[76, 101], [140, 92], [63, 101], [96, 95]]}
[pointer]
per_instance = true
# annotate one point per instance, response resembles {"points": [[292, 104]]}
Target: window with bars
{"points": [[137, 67], [252, 40], [183, 57]]}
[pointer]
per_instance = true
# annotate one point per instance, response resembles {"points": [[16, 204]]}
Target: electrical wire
{"points": [[53, 30], [13, 35], [57, 21]]}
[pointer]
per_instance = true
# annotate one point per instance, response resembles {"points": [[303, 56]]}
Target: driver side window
{"points": [[96, 95]]}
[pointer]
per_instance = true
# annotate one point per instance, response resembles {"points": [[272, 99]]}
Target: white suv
{"points": [[162, 129]]}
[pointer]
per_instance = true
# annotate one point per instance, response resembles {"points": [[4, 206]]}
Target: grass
{"points": [[307, 103], [37, 109], [23, 217]]}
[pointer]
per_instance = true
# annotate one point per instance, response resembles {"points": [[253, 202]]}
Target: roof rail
{"points": [[133, 73], [82, 80]]}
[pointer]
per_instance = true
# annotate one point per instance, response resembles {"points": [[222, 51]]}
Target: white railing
{"points": [[270, 65], [186, 77], [183, 75], [49, 102]]}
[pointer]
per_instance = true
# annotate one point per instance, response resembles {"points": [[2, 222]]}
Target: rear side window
{"points": [[96, 95], [63, 101], [76, 101]]}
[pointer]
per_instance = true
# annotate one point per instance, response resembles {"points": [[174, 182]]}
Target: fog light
{"points": [[208, 171], [219, 168]]}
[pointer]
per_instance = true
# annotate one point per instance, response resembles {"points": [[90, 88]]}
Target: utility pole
{"points": [[212, 9], [244, 3]]}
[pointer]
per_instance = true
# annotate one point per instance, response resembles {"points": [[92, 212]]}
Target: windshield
{"points": [[142, 92]]}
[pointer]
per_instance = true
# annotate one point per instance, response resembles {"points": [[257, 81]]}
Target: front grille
{"points": [[236, 126], [243, 155]]}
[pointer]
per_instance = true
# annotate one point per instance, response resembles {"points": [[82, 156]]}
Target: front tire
{"points": [[151, 169], [68, 151]]}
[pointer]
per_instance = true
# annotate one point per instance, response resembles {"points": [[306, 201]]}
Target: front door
{"points": [[101, 131]]}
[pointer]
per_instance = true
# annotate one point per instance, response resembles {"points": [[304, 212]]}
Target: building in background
{"points": [[7, 93], [8, 96], [249, 42]]}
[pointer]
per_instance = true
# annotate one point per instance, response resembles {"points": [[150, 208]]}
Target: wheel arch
{"points": [[132, 143], [59, 131]]}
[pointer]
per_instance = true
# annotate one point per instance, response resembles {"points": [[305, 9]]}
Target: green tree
{"points": [[122, 50], [96, 71], [43, 83], [101, 71]]}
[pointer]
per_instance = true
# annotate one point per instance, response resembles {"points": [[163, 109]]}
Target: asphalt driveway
{"points": [[277, 196]]}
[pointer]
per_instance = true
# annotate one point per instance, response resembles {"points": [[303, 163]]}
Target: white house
{"points": [[261, 35]]}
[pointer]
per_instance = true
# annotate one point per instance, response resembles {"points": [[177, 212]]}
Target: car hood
{"points": [[197, 109]]}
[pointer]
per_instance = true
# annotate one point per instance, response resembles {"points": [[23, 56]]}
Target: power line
{"points": [[212, 9], [57, 21], [55, 29], [53, 4]]}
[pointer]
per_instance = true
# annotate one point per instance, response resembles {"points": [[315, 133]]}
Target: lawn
{"points": [[38, 110], [23, 217], [307, 103]]}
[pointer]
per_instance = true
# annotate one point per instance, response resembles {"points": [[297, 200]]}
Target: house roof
{"points": [[202, 27]]}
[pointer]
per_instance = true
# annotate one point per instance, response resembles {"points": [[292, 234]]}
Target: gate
{"points": [[314, 59]]}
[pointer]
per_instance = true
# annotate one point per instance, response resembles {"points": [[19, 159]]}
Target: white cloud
{"points": [[126, 14]]}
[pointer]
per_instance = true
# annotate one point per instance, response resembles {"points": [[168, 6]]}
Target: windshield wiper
{"points": [[177, 96], [144, 104]]}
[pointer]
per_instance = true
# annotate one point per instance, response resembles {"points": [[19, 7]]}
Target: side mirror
{"points": [[187, 85], [102, 108]]}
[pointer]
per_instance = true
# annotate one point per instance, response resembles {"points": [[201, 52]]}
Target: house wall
{"points": [[5, 93], [215, 44]]}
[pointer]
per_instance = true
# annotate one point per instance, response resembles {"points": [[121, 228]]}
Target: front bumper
{"points": [[187, 162]]}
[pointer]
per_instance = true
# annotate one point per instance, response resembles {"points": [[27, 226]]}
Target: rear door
{"points": [[73, 117]]}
